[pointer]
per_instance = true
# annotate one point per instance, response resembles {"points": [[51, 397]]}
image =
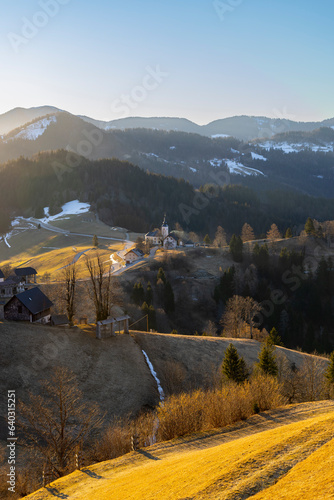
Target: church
{"points": [[162, 237]]}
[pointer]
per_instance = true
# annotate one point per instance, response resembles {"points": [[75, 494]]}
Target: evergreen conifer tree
{"points": [[267, 359], [169, 303], [138, 293], [161, 275], [234, 367], [236, 247], [274, 338], [207, 239], [329, 373], [149, 294], [309, 227]]}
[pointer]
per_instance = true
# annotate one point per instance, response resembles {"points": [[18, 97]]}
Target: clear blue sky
{"points": [[259, 57]]}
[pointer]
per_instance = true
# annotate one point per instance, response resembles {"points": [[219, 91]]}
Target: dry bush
{"points": [[226, 406], [116, 439], [28, 475], [266, 392], [180, 415], [114, 442], [203, 410], [145, 427], [173, 377]]}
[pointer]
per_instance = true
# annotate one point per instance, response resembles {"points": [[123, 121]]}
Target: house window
{"points": [[19, 309]]}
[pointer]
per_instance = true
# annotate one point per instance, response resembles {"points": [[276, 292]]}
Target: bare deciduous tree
{"points": [[240, 312], [100, 282], [311, 379], [251, 309], [58, 421], [220, 238], [70, 278], [232, 319]]}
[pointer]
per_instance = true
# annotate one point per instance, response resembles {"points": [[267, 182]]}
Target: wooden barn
{"points": [[31, 305], [27, 274]]}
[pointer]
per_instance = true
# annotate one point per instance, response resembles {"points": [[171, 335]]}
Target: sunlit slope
{"points": [[298, 457], [312, 478]]}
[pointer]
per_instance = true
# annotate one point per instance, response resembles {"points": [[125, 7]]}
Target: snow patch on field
{"points": [[74, 207], [33, 131], [192, 169]]}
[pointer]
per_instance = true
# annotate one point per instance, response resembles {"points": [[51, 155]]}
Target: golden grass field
{"points": [[49, 251], [282, 454]]}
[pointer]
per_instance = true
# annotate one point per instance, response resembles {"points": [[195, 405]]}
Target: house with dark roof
{"points": [[59, 320], [153, 237], [133, 255], [32, 305], [28, 274], [11, 286]]}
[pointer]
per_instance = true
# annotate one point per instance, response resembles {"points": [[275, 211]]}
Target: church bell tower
{"points": [[164, 228]]}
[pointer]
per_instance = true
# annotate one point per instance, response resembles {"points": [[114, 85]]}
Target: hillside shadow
{"points": [[56, 493], [147, 455], [90, 473]]}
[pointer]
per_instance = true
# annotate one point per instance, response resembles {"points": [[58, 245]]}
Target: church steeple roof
{"points": [[164, 223]]}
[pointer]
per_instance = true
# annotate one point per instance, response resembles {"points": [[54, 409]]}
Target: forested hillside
{"points": [[127, 196], [299, 161]]}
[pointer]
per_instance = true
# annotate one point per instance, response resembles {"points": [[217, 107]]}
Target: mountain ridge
{"points": [[243, 127]]}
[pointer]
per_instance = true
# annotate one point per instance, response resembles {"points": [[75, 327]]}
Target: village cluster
{"points": [[22, 300]]}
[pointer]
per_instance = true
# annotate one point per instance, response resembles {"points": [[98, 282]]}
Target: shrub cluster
{"points": [[203, 410]]}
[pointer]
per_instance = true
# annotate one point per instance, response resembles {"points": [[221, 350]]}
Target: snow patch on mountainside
{"points": [[284, 146], [240, 169], [215, 162], [219, 136], [295, 148], [235, 167], [258, 157], [35, 130]]}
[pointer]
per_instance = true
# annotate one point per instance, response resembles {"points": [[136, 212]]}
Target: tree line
{"points": [[127, 196]]}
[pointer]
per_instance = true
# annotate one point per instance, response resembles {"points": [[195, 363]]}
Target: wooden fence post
{"points": [[134, 442]]}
